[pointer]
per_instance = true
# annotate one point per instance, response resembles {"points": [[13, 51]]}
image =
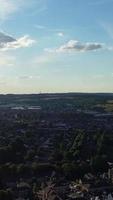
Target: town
{"points": [[56, 147]]}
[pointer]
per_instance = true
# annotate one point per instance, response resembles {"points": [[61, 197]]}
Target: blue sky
{"points": [[56, 46]]}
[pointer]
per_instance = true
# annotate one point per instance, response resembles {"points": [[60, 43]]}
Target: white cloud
{"points": [[39, 27], [60, 34], [110, 48], [8, 42], [28, 77], [76, 46], [8, 7]]}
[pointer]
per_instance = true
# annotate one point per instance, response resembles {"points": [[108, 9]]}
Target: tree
{"points": [[6, 195], [99, 164]]}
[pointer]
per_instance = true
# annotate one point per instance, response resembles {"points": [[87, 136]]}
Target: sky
{"points": [[56, 46]]}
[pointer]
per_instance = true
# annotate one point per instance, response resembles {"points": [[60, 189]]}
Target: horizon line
{"points": [[56, 93]]}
